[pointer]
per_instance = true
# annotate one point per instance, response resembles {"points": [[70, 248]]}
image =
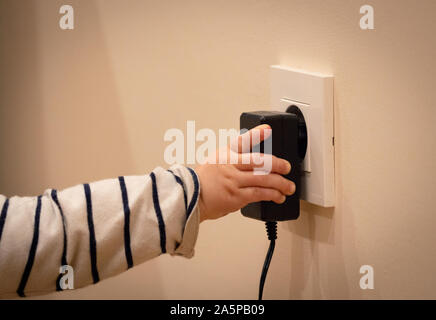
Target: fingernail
{"points": [[292, 188], [289, 166], [283, 199]]}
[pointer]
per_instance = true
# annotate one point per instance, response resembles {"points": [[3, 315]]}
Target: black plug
{"points": [[289, 141]]}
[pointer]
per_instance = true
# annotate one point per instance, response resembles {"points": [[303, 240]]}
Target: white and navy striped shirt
{"points": [[100, 229]]}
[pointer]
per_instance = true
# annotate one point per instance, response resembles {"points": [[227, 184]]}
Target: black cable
{"points": [[271, 229]]}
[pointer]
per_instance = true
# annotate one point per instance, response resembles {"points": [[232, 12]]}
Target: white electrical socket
{"points": [[313, 94]]}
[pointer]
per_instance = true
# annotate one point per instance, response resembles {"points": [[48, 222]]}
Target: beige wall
{"points": [[93, 103]]}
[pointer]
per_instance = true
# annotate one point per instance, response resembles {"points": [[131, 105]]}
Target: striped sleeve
{"points": [[98, 229]]}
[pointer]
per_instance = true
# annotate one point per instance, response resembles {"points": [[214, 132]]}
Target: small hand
{"points": [[228, 187]]}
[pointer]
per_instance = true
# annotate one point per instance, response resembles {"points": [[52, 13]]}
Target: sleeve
{"points": [[89, 232]]}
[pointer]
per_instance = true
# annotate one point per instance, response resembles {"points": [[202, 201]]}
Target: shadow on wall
{"points": [[21, 101], [61, 122], [60, 118], [314, 227]]}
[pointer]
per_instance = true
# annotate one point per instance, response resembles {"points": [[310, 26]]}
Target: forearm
{"points": [[99, 229]]}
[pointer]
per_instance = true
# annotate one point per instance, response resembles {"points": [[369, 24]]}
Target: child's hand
{"points": [[227, 188]]}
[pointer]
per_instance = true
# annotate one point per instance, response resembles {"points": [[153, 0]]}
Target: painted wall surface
{"points": [[95, 102]]}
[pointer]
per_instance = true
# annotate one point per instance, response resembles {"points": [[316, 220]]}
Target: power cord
{"points": [[271, 230]]}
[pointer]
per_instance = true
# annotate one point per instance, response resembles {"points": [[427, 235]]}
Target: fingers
{"points": [[244, 142], [256, 194], [271, 181], [266, 162]]}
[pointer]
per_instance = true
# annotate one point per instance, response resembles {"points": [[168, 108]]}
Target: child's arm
{"points": [[99, 229], [103, 228]]}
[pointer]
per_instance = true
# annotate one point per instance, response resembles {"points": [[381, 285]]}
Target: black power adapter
{"points": [[289, 141]]}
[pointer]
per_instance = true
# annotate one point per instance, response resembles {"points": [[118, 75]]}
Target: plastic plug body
{"points": [[289, 141]]}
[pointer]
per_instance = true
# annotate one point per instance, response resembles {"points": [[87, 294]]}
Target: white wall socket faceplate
{"points": [[313, 94]]}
